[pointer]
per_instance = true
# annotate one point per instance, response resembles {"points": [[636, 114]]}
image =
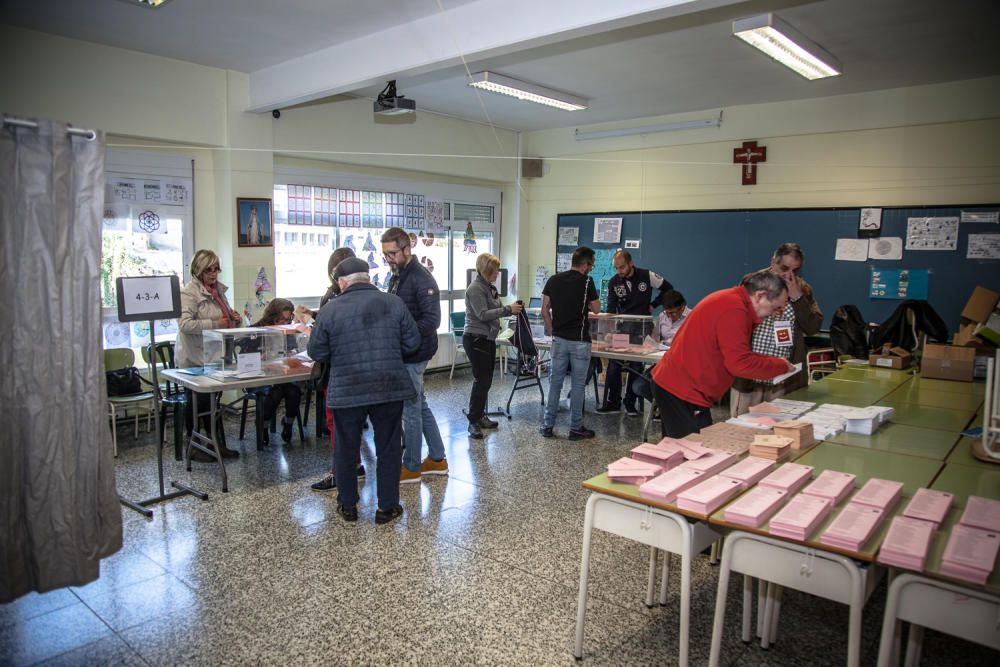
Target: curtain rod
{"points": [[89, 135]]}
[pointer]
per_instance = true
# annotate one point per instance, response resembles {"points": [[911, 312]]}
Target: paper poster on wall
{"points": [[564, 261], [981, 216], [149, 221], [569, 236], [899, 283], [435, 215], [632, 244], [870, 222], [607, 230], [851, 250], [932, 233], [602, 272], [124, 189], [983, 246], [541, 277], [151, 191], [886, 247]]}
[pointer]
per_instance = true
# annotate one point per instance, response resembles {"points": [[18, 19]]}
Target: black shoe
{"points": [[385, 516], [328, 483], [348, 513], [229, 453], [486, 422], [361, 471], [581, 434], [546, 431], [286, 431], [199, 456], [475, 431], [631, 411], [608, 409]]}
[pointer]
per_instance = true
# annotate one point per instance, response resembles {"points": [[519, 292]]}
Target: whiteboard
{"points": [[148, 298]]}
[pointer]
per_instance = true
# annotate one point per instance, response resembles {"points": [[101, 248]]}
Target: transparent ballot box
{"points": [[625, 333], [252, 350]]}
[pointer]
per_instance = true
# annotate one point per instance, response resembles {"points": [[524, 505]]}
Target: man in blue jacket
{"points": [[363, 335], [414, 284]]}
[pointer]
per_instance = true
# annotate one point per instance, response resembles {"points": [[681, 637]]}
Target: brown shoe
{"points": [[432, 467], [407, 476]]}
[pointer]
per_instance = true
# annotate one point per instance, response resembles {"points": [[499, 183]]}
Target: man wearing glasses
{"points": [[675, 312], [414, 284], [782, 334]]}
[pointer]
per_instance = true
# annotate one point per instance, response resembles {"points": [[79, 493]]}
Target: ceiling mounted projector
{"points": [[391, 104]]}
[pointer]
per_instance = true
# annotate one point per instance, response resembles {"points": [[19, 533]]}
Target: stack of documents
{"points": [[929, 505], [715, 462], [825, 424], [800, 432], [665, 487], [756, 507], [981, 513], [852, 527], [749, 421], [771, 447], [631, 471], [665, 457], [790, 477], [906, 544], [749, 471], [708, 496], [864, 421], [732, 438], [970, 554], [800, 517], [781, 409], [882, 494], [690, 449], [832, 485]]}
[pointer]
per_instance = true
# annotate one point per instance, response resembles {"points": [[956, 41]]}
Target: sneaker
{"points": [[385, 516], [475, 431], [328, 483], [581, 433], [432, 467], [407, 476], [546, 431], [608, 409], [361, 471], [286, 431], [486, 422], [348, 513], [631, 411]]}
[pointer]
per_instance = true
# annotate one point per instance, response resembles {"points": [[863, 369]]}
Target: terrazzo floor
{"points": [[482, 569]]}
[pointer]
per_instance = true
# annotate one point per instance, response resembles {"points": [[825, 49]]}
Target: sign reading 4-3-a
{"points": [[143, 298]]}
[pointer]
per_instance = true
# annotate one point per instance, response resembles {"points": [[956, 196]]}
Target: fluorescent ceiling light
{"points": [[529, 92], [786, 45], [649, 129], [152, 4]]}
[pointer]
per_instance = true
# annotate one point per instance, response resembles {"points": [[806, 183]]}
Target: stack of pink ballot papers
{"points": [[756, 507], [882, 494], [631, 471], [852, 527], [715, 462], [906, 544], [665, 487], [981, 513], [832, 485], [749, 471], [970, 554], [665, 456], [708, 496], [790, 477], [929, 505], [800, 517]]}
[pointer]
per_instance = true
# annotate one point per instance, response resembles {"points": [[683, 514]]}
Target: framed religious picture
{"points": [[254, 227]]}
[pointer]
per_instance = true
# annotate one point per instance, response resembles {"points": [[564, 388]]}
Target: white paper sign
{"points": [[541, 277], [981, 216], [886, 247], [931, 233], [983, 246], [564, 261], [632, 244], [607, 230], [248, 362], [148, 295], [851, 250], [569, 236], [871, 219]]}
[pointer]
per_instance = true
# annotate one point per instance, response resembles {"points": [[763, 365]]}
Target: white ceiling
{"points": [[637, 59]]}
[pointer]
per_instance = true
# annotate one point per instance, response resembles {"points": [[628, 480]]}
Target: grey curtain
{"points": [[59, 511]]}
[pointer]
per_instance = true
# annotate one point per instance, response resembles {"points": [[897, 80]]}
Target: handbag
{"points": [[123, 381]]}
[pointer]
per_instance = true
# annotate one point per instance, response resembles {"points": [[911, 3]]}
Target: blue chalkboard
{"points": [[704, 251]]}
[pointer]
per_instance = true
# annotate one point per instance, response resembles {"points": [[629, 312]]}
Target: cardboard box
{"points": [[948, 362], [980, 305], [891, 357], [990, 330]]}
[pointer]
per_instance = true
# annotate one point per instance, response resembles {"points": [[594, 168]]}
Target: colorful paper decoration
{"points": [[470, 239]]}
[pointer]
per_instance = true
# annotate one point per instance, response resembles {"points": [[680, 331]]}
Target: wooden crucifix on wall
{"points": [[749, 155]]}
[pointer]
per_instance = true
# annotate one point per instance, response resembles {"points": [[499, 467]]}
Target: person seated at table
{"points": [[279, 311], [675, 312]]}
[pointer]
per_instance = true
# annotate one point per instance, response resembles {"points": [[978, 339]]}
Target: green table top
{"points": [[965, 481], [942, 419], [843, 392], [962, 454], [912, 441], [933, 398], [871, 374], [914, 472], [977, 388]]}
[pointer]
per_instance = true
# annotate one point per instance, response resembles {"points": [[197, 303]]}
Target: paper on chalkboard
{"points": [[852, 250]]}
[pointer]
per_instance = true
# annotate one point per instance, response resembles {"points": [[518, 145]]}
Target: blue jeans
{"points": [[573, 355], [419, 423]]}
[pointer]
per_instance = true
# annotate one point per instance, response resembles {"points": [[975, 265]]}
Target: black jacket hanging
{"points": [[898, 331], [847, 332]]}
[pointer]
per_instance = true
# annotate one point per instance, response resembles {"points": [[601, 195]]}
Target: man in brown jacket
{"points": [[781, 335]]}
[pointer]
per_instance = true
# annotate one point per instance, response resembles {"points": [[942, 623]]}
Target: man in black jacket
{"points": [[414, 284]]}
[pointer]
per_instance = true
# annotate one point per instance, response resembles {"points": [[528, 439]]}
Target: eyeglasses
{"points": [[213, 269], [391, 254]]}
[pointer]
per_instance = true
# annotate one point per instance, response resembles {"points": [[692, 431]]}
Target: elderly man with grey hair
{"points": [[712, 348], [363, 335]]}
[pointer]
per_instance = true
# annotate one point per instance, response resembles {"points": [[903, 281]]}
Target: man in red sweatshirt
{"points": [[712, 348]]}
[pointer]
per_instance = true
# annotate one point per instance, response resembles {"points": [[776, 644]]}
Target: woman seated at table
{"points": [[279, 311]]}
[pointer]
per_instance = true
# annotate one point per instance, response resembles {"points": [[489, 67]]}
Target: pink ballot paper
{"points": [[929, 505], [630, 471], [756, 507], [970, 554], [800, 517], [906, 544], [716, 461], [881, 494], [831, 484], [791, 477], [749, 471], [664, 456], [981, 513], [708, 496], [692, 450], [665, 487], [852, 527]]}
